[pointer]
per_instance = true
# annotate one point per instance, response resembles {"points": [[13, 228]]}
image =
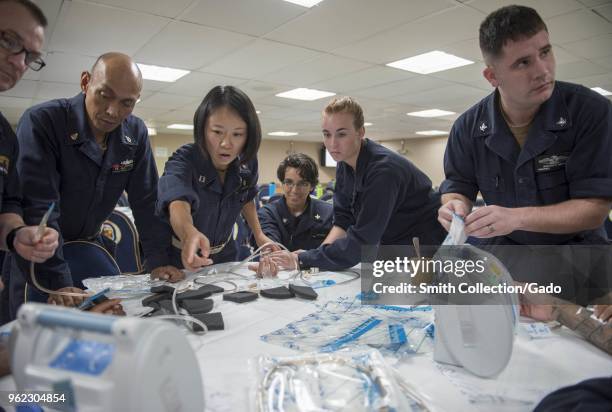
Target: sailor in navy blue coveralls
{"points": [[306, 231], [538, 150], [387, 200], [567, 155], [215, 206], [61, 162]]}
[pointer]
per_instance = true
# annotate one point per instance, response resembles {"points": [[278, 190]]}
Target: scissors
{"points": [[43, 222]]}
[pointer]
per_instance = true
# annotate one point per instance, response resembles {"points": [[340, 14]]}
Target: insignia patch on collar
{"points": [[202, 179], [4, 165], [483, 127], [125, 166], [317, 216], [551, 162], [127, 139], [561, 121], [74, 136]]}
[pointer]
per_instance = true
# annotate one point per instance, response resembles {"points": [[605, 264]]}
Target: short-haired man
{"points": [[22, 36], [538, 150], [82, 153], [297, 220]]}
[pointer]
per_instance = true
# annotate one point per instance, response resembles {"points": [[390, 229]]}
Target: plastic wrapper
{"points": [[356, 381], [122, 285], [394, 330]]}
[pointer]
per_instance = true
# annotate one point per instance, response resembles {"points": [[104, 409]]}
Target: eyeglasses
{"points": [[14, 45], [301, 185]]}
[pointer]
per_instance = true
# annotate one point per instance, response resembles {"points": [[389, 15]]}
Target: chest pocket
{"points": [[553, 186], [492, 188]]}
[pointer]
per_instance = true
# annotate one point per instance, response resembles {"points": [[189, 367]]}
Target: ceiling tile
{"points": [[198, 84], [593, 48], [166, 101], [605, 12], [91, 29], [576, 26], [189, 46], [321, 68], [258, 59], [336, 23], [51, 90], [545, 8], [581, 68], [239, 18], [159, 8], [416, 37], [66, 67], [363, 79]]}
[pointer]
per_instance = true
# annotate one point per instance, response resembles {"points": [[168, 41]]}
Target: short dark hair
{"points": [[510, 23], [237, 100], [34, 10], [305, 165]]}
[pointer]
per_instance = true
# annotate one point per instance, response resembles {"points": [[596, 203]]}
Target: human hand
{"points": [[603, 312], [445, 213], [109, 307], [490, 221], [169, 273], [30, 246], [263, 239], [61, 300], [196, 249]]}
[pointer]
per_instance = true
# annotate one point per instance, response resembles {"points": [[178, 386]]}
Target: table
{"points": [[537, 367]]}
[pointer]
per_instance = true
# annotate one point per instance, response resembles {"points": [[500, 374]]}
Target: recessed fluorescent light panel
{"points": [[151, 131], [432, 133], [305, 3], [601, 91], [281, 133], [161, 74], [430, 113], [432, 62], [368, 124], [180, 126], [305, 94]]}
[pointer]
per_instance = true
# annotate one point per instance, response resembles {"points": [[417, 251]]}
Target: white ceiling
{"points": [[270, 46]]}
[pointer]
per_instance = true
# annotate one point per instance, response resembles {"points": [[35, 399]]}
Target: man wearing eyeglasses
{"points": [[21, 39], [297, 220]]}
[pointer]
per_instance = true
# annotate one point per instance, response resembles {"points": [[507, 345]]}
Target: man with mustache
{"points": [[82, 153]]}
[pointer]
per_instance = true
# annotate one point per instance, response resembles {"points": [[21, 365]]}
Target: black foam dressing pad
{"points": [[162, 289], [196, 306], [240, 297], [213, 321], [153, 300], [304, 292], [212, 288], [166, 305], [193, 294], [280, 292]]}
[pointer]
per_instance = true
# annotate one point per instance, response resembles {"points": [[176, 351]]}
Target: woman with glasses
{"points": [[208, 183], [297, 220], [381, 198]]}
